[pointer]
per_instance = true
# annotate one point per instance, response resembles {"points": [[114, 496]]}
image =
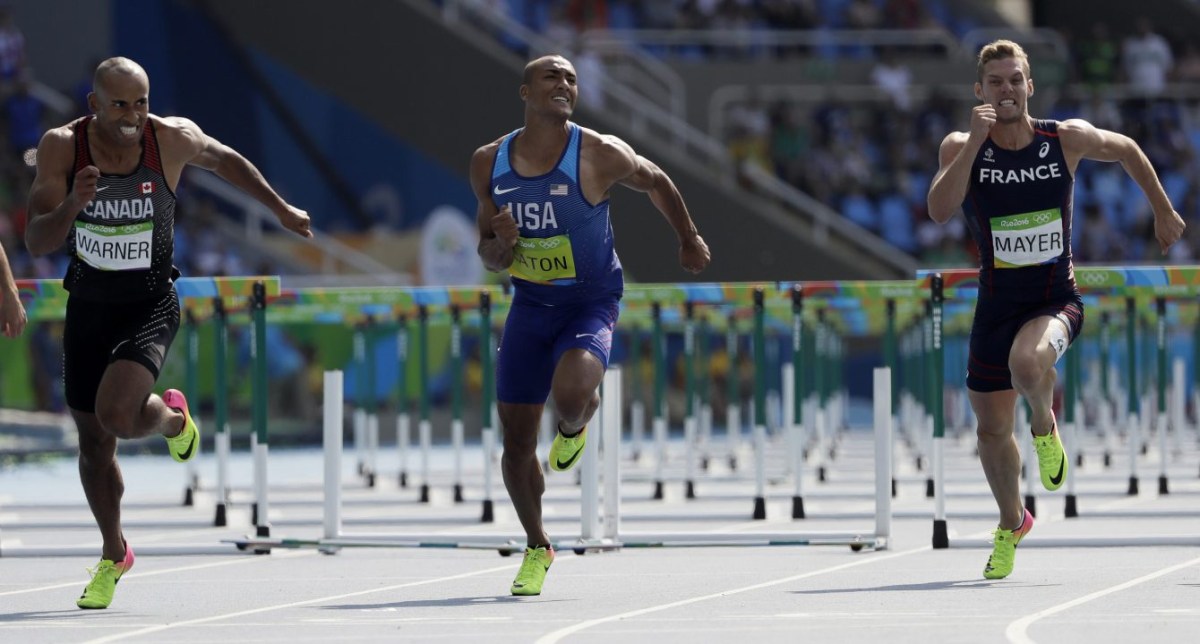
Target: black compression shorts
{"points": [[99, 333], [995, 327]]}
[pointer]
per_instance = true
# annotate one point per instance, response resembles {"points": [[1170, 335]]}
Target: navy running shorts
{"points": [[536, 336], [995, 327]]}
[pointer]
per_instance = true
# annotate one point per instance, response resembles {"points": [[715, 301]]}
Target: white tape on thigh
{"points": [[1059, 338]]}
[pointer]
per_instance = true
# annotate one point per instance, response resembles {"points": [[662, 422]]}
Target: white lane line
{"points": [[264, 609], [165, 571], [554, 637], [1017, 631]]}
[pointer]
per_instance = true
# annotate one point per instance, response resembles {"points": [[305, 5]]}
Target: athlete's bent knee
{"points": [[116, 419]]}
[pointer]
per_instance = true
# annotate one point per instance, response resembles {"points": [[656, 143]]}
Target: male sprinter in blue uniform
{"points": [[543, 217], [1014, 177], [105, 185]]}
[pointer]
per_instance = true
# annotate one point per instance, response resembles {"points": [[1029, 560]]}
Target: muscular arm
{"points": [[204, 151], [949, 186], [52, 209], [496, 236], [1082, 140], [639, 173]]}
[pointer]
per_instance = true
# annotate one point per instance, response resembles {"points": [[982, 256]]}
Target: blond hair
{"points": [[999, 50]]}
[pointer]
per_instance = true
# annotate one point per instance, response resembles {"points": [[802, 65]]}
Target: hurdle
{"points": [[600, 520]]}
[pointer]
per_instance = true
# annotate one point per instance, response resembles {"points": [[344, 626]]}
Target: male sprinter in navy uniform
{"points": [[1014, 177], [105, 185], [543, 217]]}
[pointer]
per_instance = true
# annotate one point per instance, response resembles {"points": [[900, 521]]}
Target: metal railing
{"points": [[335, 256]]}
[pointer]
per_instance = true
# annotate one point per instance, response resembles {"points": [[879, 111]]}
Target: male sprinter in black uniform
{"points": [[1014, 177], [105, 184]]}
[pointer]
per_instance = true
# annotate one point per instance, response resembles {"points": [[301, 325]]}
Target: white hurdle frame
{"points": [[594, 514]]}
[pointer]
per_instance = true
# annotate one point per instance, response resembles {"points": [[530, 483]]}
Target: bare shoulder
{"points": [[485, 154], [175, 129], [951, 145], [607, 150], [955, 140], [1075, 133], [57, 146]]}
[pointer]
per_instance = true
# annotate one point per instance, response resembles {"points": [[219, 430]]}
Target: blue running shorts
{"points": [[536, 336]]}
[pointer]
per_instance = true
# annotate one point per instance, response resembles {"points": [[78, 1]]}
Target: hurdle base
{"points": [[658, 491], [489, 515], [189, 497], [941, 535], [424, 493], [1071, 510], [370, 479], [1162, 485], [1031, 504], [458, 493], [690, 490], [221, 520], [262, 532], [1133, 486], [929, 488], [894, 488], [404, 479], [760, 508], [797, 507], [821, 473]]}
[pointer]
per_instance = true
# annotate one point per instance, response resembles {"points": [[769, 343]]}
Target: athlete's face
{"points": [[551, 88], [121, 103], [1007, 87]]}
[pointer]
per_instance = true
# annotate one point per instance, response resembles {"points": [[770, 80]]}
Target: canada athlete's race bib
{"points": [[1027, 239], [543, 260], [115, 248]]}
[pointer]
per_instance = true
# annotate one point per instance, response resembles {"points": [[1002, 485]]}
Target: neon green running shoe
{"points": [[99, 591], [1052, 459], [1004, 549], [184, 446], [565, 450], [533, 571]]}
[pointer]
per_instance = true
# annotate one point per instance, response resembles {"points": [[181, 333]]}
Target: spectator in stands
{"points": [[12, 51], [894, 78], [1146, 57], [863, 14], [25, 114], [1098, 58]]}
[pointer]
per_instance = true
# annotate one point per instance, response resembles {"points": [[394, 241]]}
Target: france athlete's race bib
{"points": [[115, 248], [543, 260], [1027, 239]]}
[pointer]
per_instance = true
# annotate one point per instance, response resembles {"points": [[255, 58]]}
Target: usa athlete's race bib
{"points": [[1027, 239], [115, 248], [543, 260]]}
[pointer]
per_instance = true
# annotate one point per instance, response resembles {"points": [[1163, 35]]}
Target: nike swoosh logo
{"points": [[1057, 478], [563, 466], [191, 448], [498, 191], [103, 188], [585, 335]]}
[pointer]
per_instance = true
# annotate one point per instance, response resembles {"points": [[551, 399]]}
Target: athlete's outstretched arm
{"points": [[497, 229], [12, 312], [206, 152], [955, 158], [52, 208], [1086, 141], [639, 173]]}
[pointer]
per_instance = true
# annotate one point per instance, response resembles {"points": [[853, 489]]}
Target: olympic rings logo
{"points": [[1092, 278], [547, 244], [1041, 217]]}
